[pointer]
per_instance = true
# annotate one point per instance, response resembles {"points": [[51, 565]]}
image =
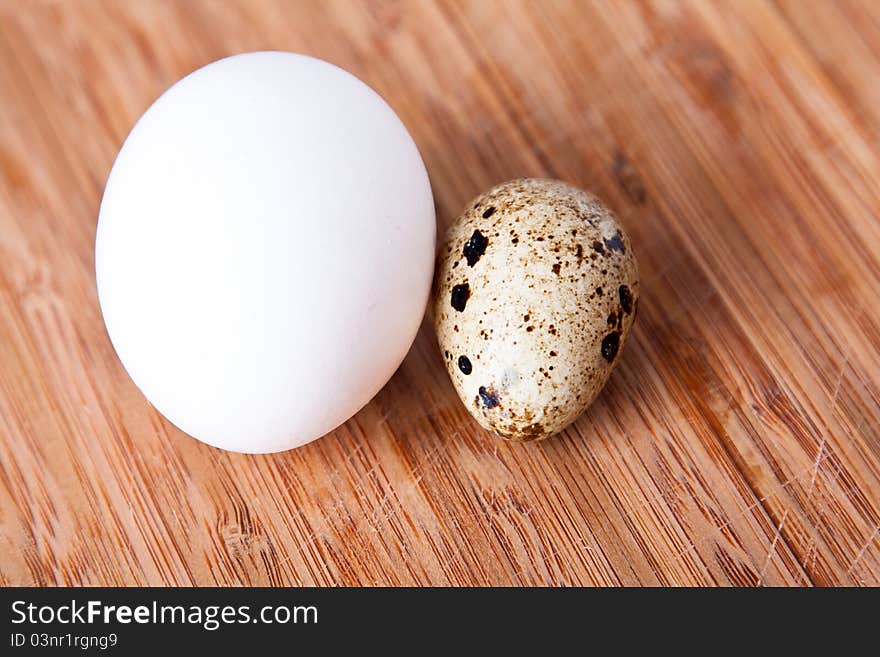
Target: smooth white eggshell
{"points": [[265, 250]]}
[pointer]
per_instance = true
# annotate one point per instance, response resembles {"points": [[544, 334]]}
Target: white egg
{"points": [[265, 250]]}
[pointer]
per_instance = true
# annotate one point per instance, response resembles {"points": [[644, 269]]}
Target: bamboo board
{"points": [[737, 443]]}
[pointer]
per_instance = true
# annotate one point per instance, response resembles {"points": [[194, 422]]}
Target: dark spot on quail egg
{"points": [[475, 247], [610, 343], [460, 295], [626, 299], [616, 243], [488, 396]]}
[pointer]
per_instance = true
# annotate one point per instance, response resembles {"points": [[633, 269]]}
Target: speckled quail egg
{"points": [[535, 294]]}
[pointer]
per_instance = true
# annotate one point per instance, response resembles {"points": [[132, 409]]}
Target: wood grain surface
{"points": [[738, 441]]}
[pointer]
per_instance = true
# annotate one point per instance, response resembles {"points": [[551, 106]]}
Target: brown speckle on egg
{"points": [[543, 318]]}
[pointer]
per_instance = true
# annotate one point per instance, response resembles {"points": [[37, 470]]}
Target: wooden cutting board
{"points": [[738, 441]]}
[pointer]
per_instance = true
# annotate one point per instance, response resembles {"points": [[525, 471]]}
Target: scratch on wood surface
{"points": [[863, 550], [836, 393], [816, 466], [772, 550], [754, 505]]}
